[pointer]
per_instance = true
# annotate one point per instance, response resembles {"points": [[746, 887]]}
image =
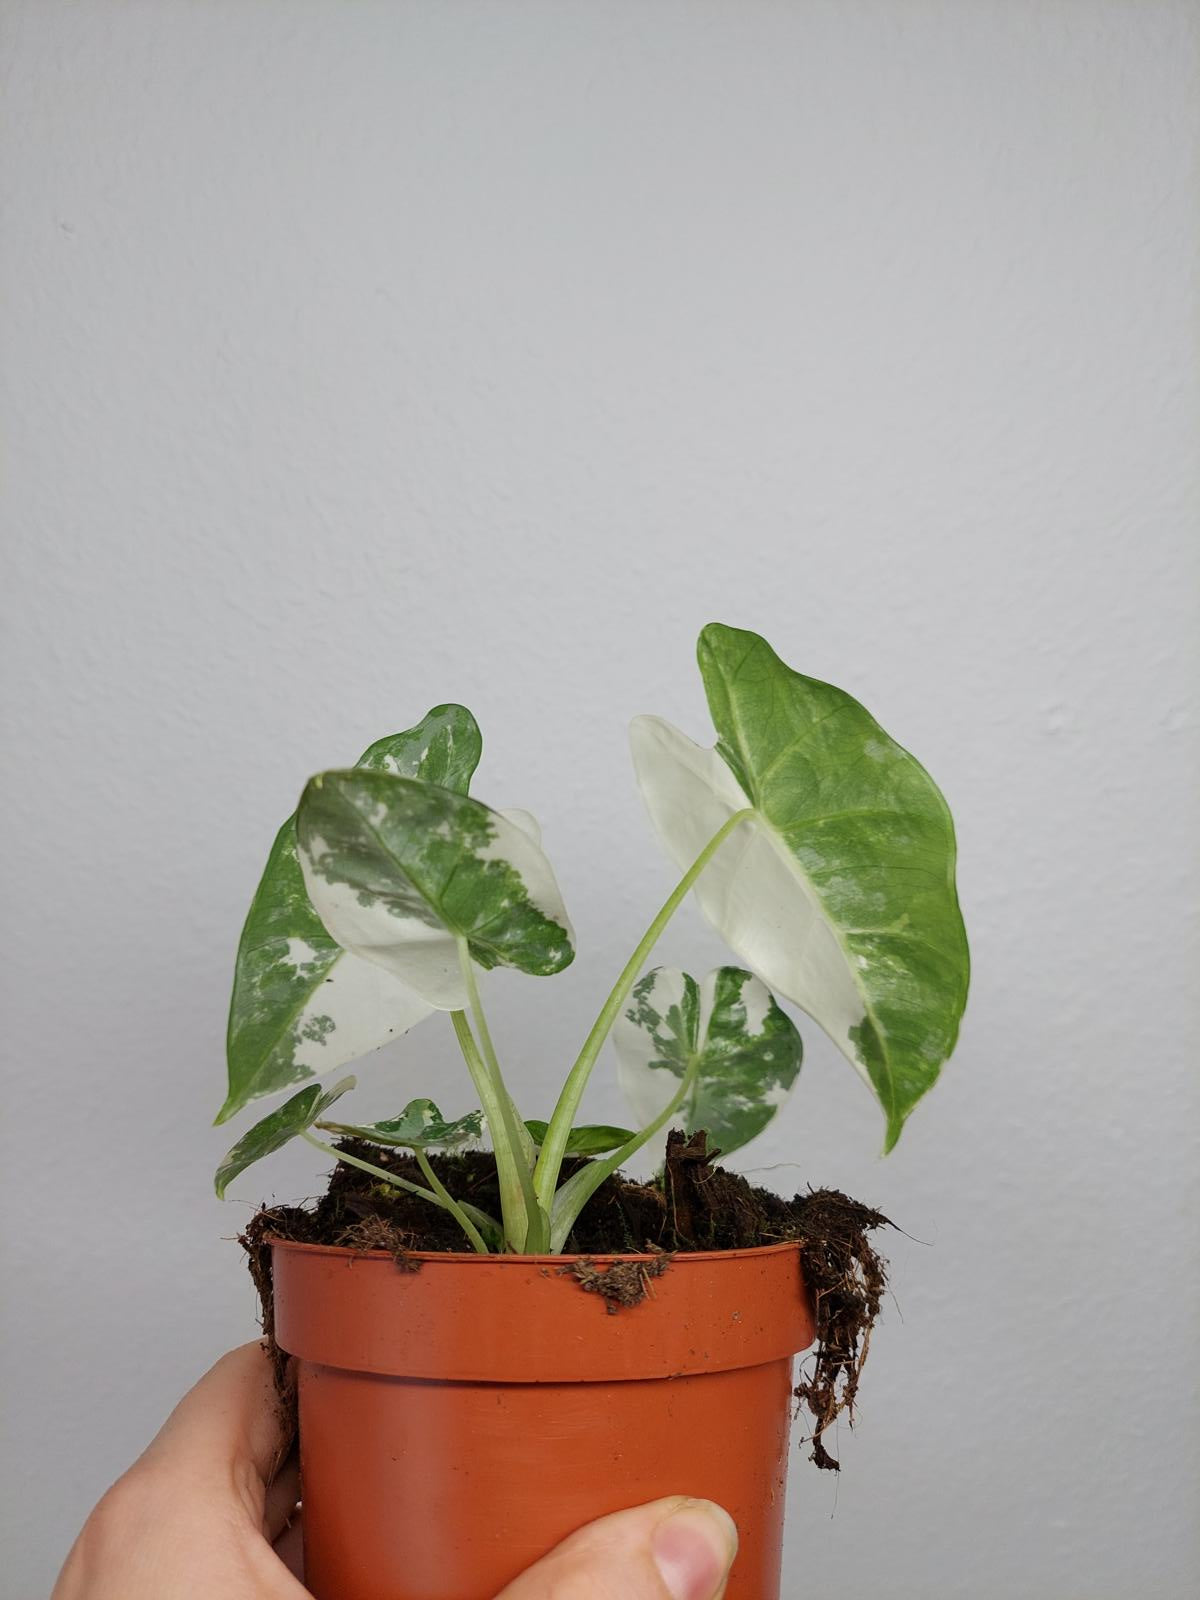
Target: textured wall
{"points": [[361, 356]]}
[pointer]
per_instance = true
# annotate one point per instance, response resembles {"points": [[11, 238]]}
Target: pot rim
{"points": [[712, 1311], [510, 1258]]}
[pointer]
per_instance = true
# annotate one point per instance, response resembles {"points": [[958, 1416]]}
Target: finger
{"points": [[289, 1547], [229, 1427], [283, 1498], [673, 1549]]}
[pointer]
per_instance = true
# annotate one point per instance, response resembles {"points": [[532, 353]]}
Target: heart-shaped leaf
{"points": [[399, 871], [596, 1140], [301, 1005], [420, 1126], [838, 889], [742, 1051], [286, 1122]]}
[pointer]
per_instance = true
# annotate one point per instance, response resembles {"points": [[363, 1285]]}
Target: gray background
{"points": [[363, 356]]}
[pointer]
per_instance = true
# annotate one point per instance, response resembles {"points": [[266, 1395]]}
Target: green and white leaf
{"points": [[286, 1122], [744, 1050], [420, 1126], [594, 1140], [838, 891], [400, 871], [443, 748], [302, 1006]]}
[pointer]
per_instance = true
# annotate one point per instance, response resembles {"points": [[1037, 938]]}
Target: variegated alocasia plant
{"points": [[819, 849]]}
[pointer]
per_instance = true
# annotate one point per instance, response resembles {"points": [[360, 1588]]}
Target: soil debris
{"points": [[696, 1205], [620, 1283]]}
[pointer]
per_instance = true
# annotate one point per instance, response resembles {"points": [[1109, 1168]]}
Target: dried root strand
{"points": [[847, 1279]]}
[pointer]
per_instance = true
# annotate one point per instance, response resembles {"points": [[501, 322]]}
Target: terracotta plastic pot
{"points": [[457, 1421]]}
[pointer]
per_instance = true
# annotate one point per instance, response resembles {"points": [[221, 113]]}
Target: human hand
{"points": [[208, 1510]]}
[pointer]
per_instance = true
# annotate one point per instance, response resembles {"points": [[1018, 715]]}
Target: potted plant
{"points": [[464, 1401]]}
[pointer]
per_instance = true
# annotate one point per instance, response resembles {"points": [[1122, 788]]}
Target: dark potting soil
{"points": [[696, 1206]]}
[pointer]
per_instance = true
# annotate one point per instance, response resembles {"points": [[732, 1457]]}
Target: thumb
{"points": [[674, 1549]]}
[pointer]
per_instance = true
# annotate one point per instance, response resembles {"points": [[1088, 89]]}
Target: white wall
{"points": [[361, 356]]}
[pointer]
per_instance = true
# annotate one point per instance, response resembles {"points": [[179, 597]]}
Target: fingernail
{"points": [[694, 1549]]}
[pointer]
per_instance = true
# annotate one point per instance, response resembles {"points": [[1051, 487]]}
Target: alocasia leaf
{"points": [[286, 1122], [420, 1126], [399, 871], [595, 1140], [745, 1049], [301, 1005], [838, 890]]}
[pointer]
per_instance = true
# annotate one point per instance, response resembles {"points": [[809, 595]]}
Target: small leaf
{"points": [[286, 1122], [589, 1141], [746, 1051], [301, 1006], [399, 871], [420, 1126], [838, 890]]}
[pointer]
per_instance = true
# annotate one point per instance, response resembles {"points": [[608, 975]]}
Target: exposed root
{"points": [[847, 1279]]}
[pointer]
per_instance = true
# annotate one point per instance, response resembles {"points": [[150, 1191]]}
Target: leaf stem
{"points": [[524, 1141], [450, 1203], [579, 1189], [438, 1198], [536, 1233], [555, 1144], [522, 1216]]}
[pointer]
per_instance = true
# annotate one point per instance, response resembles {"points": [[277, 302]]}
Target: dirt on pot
{"points": [[697, 1205], [621, 1283]]}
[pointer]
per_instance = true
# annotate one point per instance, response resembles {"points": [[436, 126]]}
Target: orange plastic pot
{"points": [[458, 1421]]}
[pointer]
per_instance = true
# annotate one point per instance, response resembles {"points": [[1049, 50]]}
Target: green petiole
{"points": [[524, 1143], [526, 1224], [570, 1200], [554, 1147], [462, 1214], [453, 1206]]}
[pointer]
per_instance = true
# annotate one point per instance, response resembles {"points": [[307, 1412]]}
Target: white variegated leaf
{"points": [[838, 887], [301, 1005], [420, 1126], [741, 1052], [277, 1128], [400, 871], [751, 893]]}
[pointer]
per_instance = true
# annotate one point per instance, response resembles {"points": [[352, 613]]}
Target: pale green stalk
{"points": [[515, 1134], [554, 1147], [524, 1142], [579, 1189], [448, 1200], [523, 1218], [440, 1199]]}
